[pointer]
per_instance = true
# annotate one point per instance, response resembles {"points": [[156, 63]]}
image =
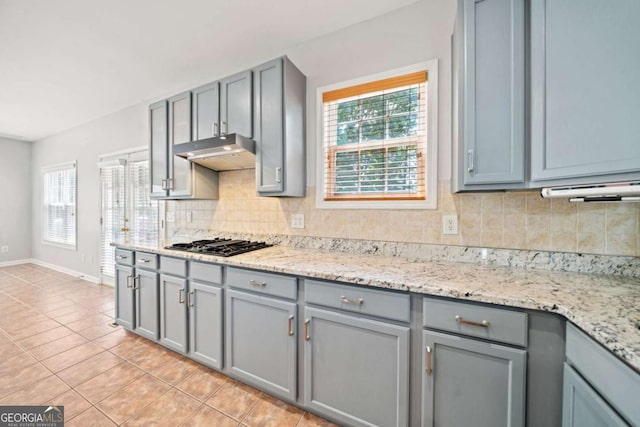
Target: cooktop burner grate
{"points": [[219, 247]]}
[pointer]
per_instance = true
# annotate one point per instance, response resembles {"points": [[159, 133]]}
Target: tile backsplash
{"points": [[513, 220]]}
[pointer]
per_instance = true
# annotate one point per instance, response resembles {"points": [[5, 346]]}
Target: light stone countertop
{"points": [[606, 307]]}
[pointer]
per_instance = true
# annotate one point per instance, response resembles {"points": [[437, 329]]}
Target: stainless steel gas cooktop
{"points": [[219, 247]]}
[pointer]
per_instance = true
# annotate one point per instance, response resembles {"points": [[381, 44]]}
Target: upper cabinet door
{"points": [[158, 147], [236, 105], [493, 91], [206, 111], [179, 132], [584, 88], [269, 126]]}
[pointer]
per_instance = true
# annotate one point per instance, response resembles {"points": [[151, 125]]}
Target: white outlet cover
{"points": [[297, 220], [189, 216], [449, 224], [171, 216]]}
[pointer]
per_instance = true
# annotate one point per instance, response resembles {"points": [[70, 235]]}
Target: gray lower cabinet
{"points": [[279, 115], [260, 342], [173, 312], [490, 59], [124, 297], [584, 125], [205, 323], [472, 383], [146, 304], [356, 370], [583, 407]]}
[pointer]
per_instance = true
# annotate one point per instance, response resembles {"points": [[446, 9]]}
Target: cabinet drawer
{"points": [[264, 283], [390, 305], [614, 380], [146, 260], [175, 266], [124, 257], [495, 324], [205, 272]]}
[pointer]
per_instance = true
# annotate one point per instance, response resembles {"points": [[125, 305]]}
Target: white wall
{"points": [[125, 129], [15, 213], [413, 34]]}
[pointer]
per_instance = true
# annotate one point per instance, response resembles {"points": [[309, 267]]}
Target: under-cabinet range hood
{"points": [[613, 192], [220, 153]]}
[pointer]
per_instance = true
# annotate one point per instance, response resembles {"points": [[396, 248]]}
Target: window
{"points": [[59, 205], [378, 141], [127, 211]]}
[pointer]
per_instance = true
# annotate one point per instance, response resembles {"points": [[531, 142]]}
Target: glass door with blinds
{"points": [[127, 211]]}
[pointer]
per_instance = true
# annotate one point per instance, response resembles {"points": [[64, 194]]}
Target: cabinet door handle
{"points": [[215, 128], [129, 285], [290, 325], [429, 366], [226, 128], [136, 282], [278, 171], [164, 184], [190, 299], [181, 296], [255, 283], [481, 324], [346, 300], [170, 184], [469, 160], [306, 330]]}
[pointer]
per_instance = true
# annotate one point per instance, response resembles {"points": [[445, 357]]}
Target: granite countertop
{"points": [[604, 306]]}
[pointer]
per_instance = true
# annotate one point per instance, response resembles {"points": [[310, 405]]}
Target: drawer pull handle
{"points": [[346, 300], [255, 283], [290, 325], [429, 366], [122, 257], [181, 296], [145, 260], [306, 330], [190, 299], [483, 324]]}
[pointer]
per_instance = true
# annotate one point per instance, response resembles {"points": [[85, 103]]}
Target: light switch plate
{"points": [[449, 224], [189, 216], [297, 220]]}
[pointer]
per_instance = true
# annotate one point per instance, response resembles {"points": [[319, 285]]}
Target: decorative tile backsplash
{"points": [[513, 220]]}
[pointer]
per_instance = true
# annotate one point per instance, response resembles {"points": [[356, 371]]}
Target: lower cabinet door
{"points": [[471, 383], [356, 370], [261, 342], [173, 312], [124, 297], [205, 324], [582, 406], [146, 289]]}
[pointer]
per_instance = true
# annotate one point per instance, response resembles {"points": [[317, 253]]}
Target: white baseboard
{"points": [[64, 270], [15, 262]]}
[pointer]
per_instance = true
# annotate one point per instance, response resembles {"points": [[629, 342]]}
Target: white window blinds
{"points": [[143, 214], [113, 213], [59, 205], [374, 140]]}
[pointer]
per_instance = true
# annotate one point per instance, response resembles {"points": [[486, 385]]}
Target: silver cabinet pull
{"points": [[255, 283], [290, 325], [226, 128], [136, 282], [181, 296], [190, 299], [170, 184], [215, 128], [164, 184], [306, 330], [429, 366], [121, 257], [278, 171], [482, 324], [129, 285], [144, 261], [346, 300], [469, 160]]}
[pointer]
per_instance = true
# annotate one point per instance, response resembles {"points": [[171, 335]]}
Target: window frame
{"points": [[44, 212], [431, 149]]}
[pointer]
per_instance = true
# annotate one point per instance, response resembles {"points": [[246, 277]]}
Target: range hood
{"points": [[220, 153], [613, 192]]}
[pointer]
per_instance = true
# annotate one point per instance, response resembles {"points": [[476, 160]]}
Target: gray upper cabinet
{"points": [[584, 89], [146, 296], [124, 297], [236, 104], [158, 148], [583, 407], [173, 312], [206, 111], [205, 323], [179, 132], [356, 370], [472, 383], [489, 44], [260, 342], [279, 106]]}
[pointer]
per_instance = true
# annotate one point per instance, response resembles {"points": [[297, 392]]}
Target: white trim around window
{"points": [[59, 205], [431, 175]]}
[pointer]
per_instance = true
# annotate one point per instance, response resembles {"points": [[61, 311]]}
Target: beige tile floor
{"points": [[57, 346]]}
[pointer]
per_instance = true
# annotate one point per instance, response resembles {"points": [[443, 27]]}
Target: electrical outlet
{"points": [[297, 220], [5, 249], [189, 216], [449, 224], [171, 217]]}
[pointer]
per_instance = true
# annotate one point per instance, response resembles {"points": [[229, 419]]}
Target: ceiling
{"points": [[66, 62]]}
